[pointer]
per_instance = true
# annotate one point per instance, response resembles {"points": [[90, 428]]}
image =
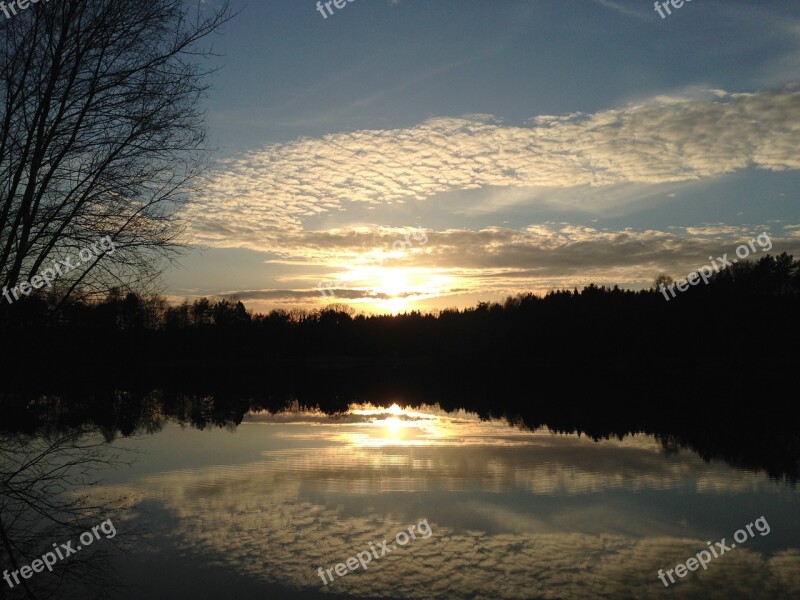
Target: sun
{"points": [[393, 282], [394, 306], [396, 426], [394, 290]]}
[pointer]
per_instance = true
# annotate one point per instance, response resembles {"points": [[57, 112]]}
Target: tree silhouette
{"points": [[101, 134]]}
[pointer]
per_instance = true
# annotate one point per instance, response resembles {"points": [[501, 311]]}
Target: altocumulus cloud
{"points": [[286, 511], [260, 199], [539, 257]]}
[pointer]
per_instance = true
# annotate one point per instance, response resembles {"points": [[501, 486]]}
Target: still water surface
{"points": [[255, 511]]}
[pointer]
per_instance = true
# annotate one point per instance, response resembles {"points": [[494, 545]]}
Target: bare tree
{"points": [[664, 280], [101, 134]]}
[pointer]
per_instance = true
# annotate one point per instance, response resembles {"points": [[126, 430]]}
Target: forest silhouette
{"points": [[740, 329], [715, 369]]}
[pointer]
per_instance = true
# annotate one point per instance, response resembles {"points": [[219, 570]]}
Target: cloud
{"points": [[260, 199], [299, 295], [497, 261], [615, 6], [325, 494]]}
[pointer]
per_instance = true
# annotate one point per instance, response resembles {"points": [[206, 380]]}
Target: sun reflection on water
{"points": [[403, 426]]}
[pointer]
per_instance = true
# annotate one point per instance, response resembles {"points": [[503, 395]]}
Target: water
{"points": [[499, 512]]}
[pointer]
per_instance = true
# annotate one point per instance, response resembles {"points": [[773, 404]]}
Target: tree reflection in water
{"points": [[44, 481]]}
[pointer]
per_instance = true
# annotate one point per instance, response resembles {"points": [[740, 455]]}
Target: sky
{"points": [[414, 155]]}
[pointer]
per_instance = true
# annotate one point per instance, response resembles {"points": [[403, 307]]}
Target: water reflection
{"points": [[515, 513], [45, 499]]}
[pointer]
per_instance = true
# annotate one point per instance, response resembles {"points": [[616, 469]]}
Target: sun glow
{"points": [[393, 282], [395, 425], [399, 289], [371, 426], [395, 306], [389, 289]]}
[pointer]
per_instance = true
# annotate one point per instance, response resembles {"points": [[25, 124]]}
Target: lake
{"points": [[425, 503]]}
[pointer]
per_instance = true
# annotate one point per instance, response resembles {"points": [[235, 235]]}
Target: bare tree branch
{"points": [[102, 135]]}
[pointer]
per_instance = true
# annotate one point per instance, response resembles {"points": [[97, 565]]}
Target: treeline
{"points": [[768, 442], [770, 277], [743, 325], [715, 369]]}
